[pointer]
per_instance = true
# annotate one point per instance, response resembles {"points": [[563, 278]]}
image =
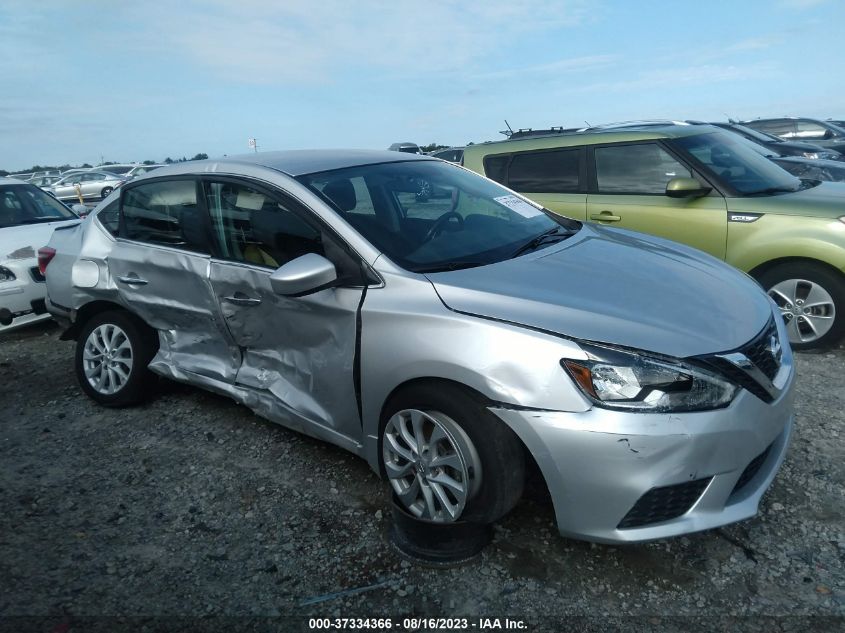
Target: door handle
{"points": [[605, 216], [133, 280], [242, 300]]}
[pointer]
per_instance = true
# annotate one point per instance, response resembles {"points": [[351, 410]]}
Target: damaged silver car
{"points": [[453, 343]]}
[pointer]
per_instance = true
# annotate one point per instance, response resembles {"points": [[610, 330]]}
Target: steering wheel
{"points": [[441, 222]]}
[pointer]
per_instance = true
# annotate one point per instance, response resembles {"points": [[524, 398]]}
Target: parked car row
{"points": [[95, 182]]}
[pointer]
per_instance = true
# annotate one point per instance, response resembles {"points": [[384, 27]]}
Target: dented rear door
{"points": [[159, 269]]}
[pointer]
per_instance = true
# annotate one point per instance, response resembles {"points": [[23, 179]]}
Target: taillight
{"points": [[45, 256]]}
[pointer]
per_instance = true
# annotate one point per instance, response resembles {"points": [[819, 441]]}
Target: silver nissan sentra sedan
{"points": [[452, 343]]}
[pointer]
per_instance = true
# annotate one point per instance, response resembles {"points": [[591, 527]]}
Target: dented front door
{"points": [[298, 353]]}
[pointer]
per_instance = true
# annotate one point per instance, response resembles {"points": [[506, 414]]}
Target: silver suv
{"points": [[449, 343]]}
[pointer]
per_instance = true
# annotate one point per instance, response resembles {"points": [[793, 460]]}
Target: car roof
{"points": [[5, 180], [300, 162], [594, 136]]}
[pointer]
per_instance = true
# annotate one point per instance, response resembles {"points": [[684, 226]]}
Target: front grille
{"points": [[36, 275], [751, 470], [759, 352], [739, 377], [664, 503]]}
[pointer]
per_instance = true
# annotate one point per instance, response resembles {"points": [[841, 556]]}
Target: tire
{"points": [[473, 448], [105, 192], [812, 299], [128, 381]]}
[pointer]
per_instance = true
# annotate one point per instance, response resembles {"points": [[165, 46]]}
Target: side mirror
{"points": [[686, 188], [80, 209], [828, 134], [303, 275]]}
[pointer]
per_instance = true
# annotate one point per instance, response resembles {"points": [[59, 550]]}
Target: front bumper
{"points": [[24, 297], [600, 463]]}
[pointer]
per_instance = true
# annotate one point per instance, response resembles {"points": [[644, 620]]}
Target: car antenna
{"points": [[507, 132], [588, 123], [730, 119]]}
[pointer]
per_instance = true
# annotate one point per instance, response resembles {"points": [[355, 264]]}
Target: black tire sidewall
{"points": [[144, 346], [106, 192], [832, 281], [499, 449]]}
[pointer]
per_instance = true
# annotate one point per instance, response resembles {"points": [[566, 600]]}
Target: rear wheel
{"points": [[106, 191], [811, 299], [112, 354], [448, 458]]}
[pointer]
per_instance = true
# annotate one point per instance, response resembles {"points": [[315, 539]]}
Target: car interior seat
{"points": [[282, 235]]}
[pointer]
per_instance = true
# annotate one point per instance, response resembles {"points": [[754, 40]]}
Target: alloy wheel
{"points": [[107, 359], [431, 463], [807, 308]]}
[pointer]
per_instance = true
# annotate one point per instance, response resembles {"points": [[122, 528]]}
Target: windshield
{"points": [[732, 161], [429, 215], [27, 204]]}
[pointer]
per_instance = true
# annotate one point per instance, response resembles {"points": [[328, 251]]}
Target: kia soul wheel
{"points": [[811, 299]]}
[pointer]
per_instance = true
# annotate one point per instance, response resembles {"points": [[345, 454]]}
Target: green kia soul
{"points": [[704, 187]]}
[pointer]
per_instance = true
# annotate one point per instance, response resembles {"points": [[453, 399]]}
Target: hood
{"points": [[826, 200], [618, 287], [23, 242]]}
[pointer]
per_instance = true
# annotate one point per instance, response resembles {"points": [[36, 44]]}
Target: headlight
{"points": [[618, 379], [6, 274], [813, 155]]}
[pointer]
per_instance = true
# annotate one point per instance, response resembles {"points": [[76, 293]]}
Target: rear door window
{"points": [[809, 130], [555, 171], [496, 168], [784, 128], [165, 213], [644, 168]]}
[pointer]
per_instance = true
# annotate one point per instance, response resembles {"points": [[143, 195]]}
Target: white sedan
{"points": [[28, 217]]}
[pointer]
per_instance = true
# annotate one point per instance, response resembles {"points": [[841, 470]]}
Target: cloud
{"points": [[267, 43], [801, 4], [569, 65], [754, 44], [670, 79]]}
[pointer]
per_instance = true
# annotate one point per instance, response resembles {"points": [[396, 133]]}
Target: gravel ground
{"points": [[191, 505]]}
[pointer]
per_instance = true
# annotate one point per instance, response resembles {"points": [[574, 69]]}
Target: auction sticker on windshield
{"points": [[523, 208]]}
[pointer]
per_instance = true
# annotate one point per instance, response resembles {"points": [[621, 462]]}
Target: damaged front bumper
{"points": [[618, 477]]}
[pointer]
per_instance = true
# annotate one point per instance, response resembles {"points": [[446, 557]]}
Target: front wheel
{"points": [[448, 458], [811, 299], [112, 354]]}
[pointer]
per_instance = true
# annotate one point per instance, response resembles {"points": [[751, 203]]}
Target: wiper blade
{"points": [[558, 233], [446, 266], [771, 190], [40, 220]]}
